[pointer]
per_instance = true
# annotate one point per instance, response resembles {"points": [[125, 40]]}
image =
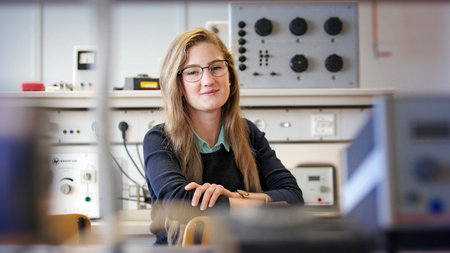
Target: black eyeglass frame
{"points": [[180, 72]]}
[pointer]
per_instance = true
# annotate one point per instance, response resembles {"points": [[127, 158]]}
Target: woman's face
{"points": [[211, 92]]}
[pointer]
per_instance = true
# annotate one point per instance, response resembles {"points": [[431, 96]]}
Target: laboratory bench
{"points": [[249, 97]]}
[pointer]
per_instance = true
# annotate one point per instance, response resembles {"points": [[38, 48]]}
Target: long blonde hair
{"points": [[178, 125]]}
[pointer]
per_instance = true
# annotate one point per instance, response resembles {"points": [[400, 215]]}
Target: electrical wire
{"points": [[121, 169], [123, 126], [131, 158], [117, 163], [139, 156], [128, 199]]}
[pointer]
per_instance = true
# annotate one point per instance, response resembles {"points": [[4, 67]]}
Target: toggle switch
{"points": [[324, 189], [87, 177]]}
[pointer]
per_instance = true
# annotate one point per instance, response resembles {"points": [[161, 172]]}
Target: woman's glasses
{"points": [[195, 73]]}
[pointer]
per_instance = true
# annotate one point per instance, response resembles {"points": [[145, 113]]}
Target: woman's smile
{"points": [[209, 92]]}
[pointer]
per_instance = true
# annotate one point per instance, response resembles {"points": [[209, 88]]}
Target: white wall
{"points": [[416, 34], [19, 44], [64, 25]]}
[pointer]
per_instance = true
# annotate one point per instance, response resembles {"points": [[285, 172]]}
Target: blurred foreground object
{"points": [[33, 86], [397, 179], [198, 231], [72, 229], [286, 229], [24, 174]]}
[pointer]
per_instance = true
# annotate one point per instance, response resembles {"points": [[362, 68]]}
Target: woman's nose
{"points": [[207, 78]]}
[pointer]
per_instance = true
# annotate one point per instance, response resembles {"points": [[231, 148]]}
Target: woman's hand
{"points": [[210, 194]]}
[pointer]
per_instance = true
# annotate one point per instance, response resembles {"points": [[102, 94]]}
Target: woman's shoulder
{"points": [[253, 129], [159, 128], [255, 134], [156, 139], [156, 131]]}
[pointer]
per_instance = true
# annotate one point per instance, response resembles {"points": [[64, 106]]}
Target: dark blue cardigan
{"points": [[166, 182]]}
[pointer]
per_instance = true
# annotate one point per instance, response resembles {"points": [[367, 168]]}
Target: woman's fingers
{"points": [[207, 196], [191, 186], [198, 193], [220, 190], [209, 193]]}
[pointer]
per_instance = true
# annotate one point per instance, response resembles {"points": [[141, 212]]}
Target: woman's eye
{"points": [[192, 73]]}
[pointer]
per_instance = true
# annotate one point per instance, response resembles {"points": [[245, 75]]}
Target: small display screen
{"points": [[86, 60], [431, 131], [314, 178], [149, 84]]}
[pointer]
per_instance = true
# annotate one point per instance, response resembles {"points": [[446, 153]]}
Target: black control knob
{"points": [[242, 41], [241, 24], [242, 33], [263, 27], [426, 170], [242, 67], [299, 63], [242, 58], [334, 63], [298, 26], [242, 50], [333, 26]]}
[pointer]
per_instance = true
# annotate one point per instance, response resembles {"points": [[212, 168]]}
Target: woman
{"points": [[206, 155]]}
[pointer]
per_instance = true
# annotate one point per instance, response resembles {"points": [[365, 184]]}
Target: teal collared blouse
{"points": [[204, 148]]}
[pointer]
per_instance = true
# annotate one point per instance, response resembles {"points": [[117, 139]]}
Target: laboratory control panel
{"points": [[421, 131], [279, 124], [295, 44], [75, 184], [304, 124], [317, 185], [399, 164], [84, 68], [79, 126]]}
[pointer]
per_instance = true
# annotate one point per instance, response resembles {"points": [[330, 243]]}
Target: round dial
{"points": [[426, 170], [334, 63], [65, 189], [299, 63], [298, 26], [263, 27], [333, 26]]}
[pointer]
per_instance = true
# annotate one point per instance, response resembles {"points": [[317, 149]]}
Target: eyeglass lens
{"points": [[193, 74]]}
